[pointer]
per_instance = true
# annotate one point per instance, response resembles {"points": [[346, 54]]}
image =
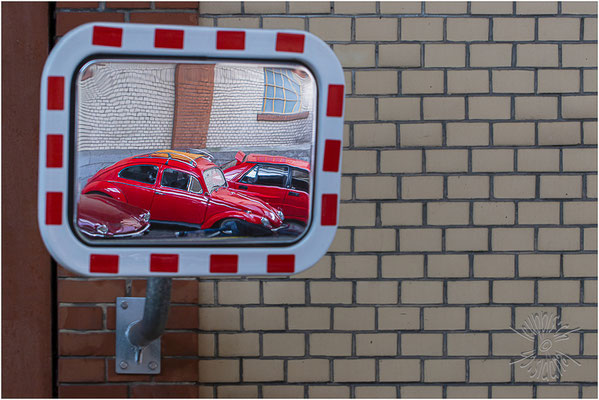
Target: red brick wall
{"points": [[86, 341], [72, 14]]}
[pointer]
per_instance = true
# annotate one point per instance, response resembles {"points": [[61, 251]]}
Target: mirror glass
{"points": [[192, 152]]}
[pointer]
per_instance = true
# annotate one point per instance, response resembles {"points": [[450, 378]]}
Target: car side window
{"points": [[175, 179], [195, 186], [300, 180], [140, 173], [272, 175], [251, 176]]}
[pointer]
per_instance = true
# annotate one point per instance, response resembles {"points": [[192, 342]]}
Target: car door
{"points": [[297, 199], [267, 182], [179, 198], [137, 183]]}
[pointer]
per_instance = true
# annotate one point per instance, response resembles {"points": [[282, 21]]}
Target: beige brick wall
{"points": [[469, 176], [468, 205]]}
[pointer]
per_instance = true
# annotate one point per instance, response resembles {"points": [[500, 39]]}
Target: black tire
{"points": [[230, 226], [239, 227], [224, 221]]}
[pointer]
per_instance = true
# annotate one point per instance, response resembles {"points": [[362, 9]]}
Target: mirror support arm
{"points": [[140, 322], [152, 325]]}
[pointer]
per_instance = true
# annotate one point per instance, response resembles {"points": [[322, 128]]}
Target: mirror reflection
{"points": [[193, 152]]}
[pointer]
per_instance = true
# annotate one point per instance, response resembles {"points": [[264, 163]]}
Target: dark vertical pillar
{"points": [[194, 89], [26, 266]]}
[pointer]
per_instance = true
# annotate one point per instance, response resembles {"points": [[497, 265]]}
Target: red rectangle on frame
{"points": [[168, 38], [291, 42], [332, 153], [104, 263], [55, 92], [230, 40], [224, 263], [107, 36], [329, 210], [54, 151], [53, 208], [335, 101], [280, 263], [164, 263]]}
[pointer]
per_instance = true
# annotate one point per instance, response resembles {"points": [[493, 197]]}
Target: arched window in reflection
{"points": [[282, 91]]}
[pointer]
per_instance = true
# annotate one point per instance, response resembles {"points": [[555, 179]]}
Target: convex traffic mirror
{"points": [[191, 151]]}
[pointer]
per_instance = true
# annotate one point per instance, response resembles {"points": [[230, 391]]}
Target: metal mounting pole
{"points": [[140, 323], [151, 326]]}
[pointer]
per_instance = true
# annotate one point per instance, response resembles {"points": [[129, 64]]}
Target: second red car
{"points": [[282, 182]]}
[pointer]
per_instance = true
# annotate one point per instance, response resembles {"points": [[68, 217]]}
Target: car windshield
{"points": [[214, 179]]}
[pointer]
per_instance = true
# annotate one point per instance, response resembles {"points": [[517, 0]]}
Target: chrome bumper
{"points": [[283, 226]]}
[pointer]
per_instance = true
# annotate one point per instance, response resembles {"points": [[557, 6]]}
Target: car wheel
{"points": [[230, 226], [239, 227]]}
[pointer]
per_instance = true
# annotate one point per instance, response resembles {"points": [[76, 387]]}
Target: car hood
{"points": [[245, 202], [120, 218]]}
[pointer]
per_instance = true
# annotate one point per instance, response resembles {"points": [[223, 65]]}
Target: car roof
{"points": [[263, 158], [184, 160]]}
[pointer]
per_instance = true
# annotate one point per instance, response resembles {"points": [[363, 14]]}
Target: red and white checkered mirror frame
{"points": [[185, 41]]}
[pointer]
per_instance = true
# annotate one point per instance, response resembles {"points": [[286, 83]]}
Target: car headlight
{"points": [[146, 217], [280, 214], [102, 229], [265, 222]]}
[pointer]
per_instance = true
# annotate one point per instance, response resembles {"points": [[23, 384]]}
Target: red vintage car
{"points": [[282, 182], [103, 216], [183, 189]]}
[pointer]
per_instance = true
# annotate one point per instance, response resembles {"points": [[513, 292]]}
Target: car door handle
{"points": [[243, 187], [294, 194], [160, 194]]}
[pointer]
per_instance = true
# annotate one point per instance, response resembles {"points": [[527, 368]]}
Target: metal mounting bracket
{"points": [[131, 359]]}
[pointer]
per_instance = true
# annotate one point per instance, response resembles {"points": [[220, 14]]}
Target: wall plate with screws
{"points": [[129, 310]]}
